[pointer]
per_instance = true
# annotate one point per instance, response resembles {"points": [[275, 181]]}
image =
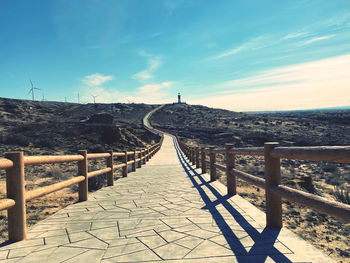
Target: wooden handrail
{"points": [[274, 191], [5, 163], [99, 172], [7, 203], [50, 159], [14, 164], [52, 188], [337, 154], [91, 156]]}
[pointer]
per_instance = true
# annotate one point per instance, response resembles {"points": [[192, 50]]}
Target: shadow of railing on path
{"points": [[263, 242]]}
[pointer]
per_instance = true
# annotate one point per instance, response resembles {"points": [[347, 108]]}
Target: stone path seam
{"points": [[167, 211]]}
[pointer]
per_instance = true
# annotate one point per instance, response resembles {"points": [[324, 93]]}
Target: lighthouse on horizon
{"points": [[179, 98]]}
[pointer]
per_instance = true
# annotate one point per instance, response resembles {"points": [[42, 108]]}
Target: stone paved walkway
{"points": [[166, 211]]}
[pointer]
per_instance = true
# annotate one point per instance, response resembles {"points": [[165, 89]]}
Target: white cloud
{"points": [[253, 44], [154, 62], [307, 42], [96, 79], [151, 93], [297, 34], [317, 84]]}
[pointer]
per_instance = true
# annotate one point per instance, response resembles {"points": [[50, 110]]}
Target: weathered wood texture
{"points": [[273, 190]]}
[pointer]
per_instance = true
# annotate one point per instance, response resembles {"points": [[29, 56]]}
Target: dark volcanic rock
{"points": [[101, 118]]}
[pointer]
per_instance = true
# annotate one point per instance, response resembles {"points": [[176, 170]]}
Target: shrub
{"points": [[329, 167], [18, 139], [341, 195], [45, 142], [96, 182], [55, 172]]}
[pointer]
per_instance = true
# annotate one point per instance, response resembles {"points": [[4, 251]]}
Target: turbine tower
{"points": [[32, 89], [94, 96]]}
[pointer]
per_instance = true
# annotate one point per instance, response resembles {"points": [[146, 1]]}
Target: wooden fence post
{"points": [[144, 156], [133, 167], [212, 163], [110, 175], [125, 161], [140, 156], [147, 154], [83, 170], [15, 188], [203, 160], [272, 177], [193, 156], [197, 157], [230, 163]]}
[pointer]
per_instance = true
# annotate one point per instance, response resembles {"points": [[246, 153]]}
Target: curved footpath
{"points": [[166, 211]]}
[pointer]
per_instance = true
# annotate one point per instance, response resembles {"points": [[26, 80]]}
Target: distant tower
{"points": [[179, 98]]}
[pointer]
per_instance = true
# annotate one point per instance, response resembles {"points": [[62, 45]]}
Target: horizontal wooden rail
{"points": [[258, 151], [336, 209], [220, 167], [272, 153], [5, 163], [15, 162], [7, 203], [97, 155], [99, 172], [49, 159], [338, 154], [249, 178], [219, 151], [118, 154], [119, 166], [52, 188]]}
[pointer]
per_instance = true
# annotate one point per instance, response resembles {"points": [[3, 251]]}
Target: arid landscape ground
{"points": [[39, 128], [203, 126], [56, 128]]}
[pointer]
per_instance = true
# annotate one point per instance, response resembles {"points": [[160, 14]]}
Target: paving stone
{"points": [[171, 251], [3, 254], [138, 256], [92, 243], [39, 255], [153, 241], [90, 256], [170, 235], [125, 249], [160, 213], [105, 233], [189, 242]]}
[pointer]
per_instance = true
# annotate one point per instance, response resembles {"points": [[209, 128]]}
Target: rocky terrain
{"points": [[199, 125], [56, 128]]}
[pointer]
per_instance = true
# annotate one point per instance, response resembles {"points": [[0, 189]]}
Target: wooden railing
{"points": [[274, 191], [14, 163]]}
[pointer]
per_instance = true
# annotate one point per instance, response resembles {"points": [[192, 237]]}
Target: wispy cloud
{"points": [[297, 34], [96, 79], [253, 44], [317, 84], [154, 62], [315, 39]]}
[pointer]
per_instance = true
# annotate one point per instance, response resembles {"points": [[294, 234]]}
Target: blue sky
{"points": [[239, 55]]}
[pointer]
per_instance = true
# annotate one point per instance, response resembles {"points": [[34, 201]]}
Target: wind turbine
{"points": [[32, 89], [94, 96]]}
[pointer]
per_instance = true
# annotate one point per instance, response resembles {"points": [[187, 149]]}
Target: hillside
{"points": [[216, 126], [203, 126], [56, 128]]}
